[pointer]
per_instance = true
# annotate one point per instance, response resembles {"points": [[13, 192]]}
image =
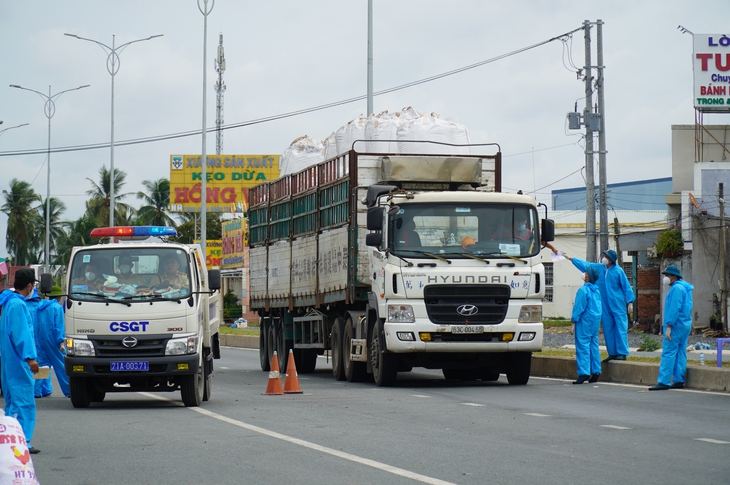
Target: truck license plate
{"points": [[467, 329], [129, 366]]}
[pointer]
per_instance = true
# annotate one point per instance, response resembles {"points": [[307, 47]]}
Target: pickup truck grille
{"points": [[148, 346], [444, 301]]}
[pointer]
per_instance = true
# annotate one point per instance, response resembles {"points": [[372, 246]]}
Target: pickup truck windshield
{"points": [[454, 229], [134, 274]]}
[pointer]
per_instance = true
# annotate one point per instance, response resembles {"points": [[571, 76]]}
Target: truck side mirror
{"points": [[375, 219], [547, 233], [374, 239], [46, 283], [214, 279]]}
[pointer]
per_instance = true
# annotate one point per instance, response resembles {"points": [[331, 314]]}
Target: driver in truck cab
{"points": [[91, 277], [407, 236], [170, 276], [125, 276]]}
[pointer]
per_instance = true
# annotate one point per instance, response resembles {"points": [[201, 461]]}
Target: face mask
{"points": [[604, 261], [90, 276], [666, 281], [124, 268], [521, 228]]}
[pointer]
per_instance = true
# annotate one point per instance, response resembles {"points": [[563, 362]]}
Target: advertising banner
{"points": [[711, 63], [228, 179], [233, 243], [213, 253]]}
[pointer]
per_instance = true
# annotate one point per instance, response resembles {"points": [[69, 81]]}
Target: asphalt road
{"points": [[424, 430]]}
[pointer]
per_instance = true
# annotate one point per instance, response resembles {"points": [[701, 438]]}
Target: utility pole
{"points": [[723, 282], [220, 88], [590, 184], [602, 141], [370, 57]]}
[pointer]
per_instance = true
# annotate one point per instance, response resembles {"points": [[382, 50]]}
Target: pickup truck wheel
{"points": [[306, 360], [354, 371], [336, 345], [263, 349], [385, 366], [80, 395], [191, 389], [518, 368]]}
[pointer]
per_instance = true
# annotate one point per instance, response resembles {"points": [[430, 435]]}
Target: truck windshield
{"points": [[452, 230], [131, 274]]}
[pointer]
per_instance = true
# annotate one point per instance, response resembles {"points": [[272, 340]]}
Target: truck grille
{"points": [[148, 346], [443, 301]]}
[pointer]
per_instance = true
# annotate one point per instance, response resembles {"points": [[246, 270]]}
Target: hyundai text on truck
{"points": [[395, 261], [144, 332]]}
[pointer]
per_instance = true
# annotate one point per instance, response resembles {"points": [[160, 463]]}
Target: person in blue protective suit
{"points": [[616, 294], [587, 317], [18, 353], [677, 326], [33, 301], [50, 336]]}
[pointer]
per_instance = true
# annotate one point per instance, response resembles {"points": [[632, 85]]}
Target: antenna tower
{"points": [[220, 88]]}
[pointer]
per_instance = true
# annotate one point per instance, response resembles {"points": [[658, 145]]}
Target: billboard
{"points": [[233, 243], [213, 252], [228, 179], [711, 65]]}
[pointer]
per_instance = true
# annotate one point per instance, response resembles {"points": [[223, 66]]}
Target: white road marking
{"points": [[613, 426], [644, 387], [420, 395], [714, 442], [473, 404], [323, 449], [538, 415]]}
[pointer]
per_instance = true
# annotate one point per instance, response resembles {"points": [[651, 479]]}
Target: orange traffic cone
{"points": [[274, 386], [291, 382]]}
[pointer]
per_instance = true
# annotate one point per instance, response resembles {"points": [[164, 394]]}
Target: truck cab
{"points": [[142, 314]]}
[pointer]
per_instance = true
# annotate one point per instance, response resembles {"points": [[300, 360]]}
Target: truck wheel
{"points": [[276, 343], [336, 345], [306, 360], [97, 396], [192, 388], [263, 349], [487, 375], [207, 391], [354, 371], [518, 368], [80, 395], [385, 366]]}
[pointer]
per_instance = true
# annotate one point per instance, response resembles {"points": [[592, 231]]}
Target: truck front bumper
{"points": [[170, 365]]}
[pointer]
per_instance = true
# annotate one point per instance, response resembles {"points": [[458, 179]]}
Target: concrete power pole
{"points": [[723, 283], [590, 184], [220, 88]]}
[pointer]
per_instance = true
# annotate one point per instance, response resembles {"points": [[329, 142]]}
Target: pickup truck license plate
{"points": [[467, 329], [129, 366]]}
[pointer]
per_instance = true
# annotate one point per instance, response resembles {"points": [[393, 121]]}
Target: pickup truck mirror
{"points": [[46, 283], [374, 239], [214, 279], [375, 219], [547, 233]]}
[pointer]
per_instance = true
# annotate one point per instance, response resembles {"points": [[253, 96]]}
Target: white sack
{"points": [[431, 127], [16, 465], [346, 135], [302, 153]]}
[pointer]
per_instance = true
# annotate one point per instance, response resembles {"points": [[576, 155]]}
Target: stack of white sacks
{"points": [[385, 132]]}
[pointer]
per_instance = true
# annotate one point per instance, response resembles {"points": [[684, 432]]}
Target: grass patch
{"points": [[555, 323], [237, 331]]}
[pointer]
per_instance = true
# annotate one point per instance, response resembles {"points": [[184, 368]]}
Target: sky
{"points": [[285, 55]]}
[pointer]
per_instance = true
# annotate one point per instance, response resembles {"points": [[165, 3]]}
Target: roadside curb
{"points": [[642, 373]]}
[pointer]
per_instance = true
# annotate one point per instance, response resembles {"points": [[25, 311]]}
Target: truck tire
{"points": [[79, 389], [518, 368], [354, 371], [306, 360], [487, 375], [263, 347], [385, 365], [97, 396], [207, 390], [192, 388], [275, 342], [338, 369]]}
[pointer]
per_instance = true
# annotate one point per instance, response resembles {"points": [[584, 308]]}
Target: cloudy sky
{"points": [[285, 55]]}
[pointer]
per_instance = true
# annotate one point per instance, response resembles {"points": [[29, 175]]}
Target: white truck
{"points": [[398, 261], [143, 330]]}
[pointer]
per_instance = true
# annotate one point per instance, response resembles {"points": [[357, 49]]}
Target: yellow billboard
{"points": [[213, 253], [233, 242], [227, 180]]}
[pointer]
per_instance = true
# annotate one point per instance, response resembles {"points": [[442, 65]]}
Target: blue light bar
{"points": [[154, 231]]}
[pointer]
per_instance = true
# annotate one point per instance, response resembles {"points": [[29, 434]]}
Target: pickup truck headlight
{"points": [[80, 347], [401, 314], [530, 314], [182, 346]]}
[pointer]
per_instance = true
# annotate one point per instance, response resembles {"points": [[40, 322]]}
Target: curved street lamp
{"points": [[10, 128], [49, 109], [204, 156], [112, 66]]}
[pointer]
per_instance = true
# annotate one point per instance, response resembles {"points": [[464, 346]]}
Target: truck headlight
{"points": [[80, 347], [182, 346], [530, 314], [401, 314]]}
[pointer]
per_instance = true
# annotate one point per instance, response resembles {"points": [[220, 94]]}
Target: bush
{"points": [[669, 243], [649, 344]]}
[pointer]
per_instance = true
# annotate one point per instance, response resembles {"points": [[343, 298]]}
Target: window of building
{"points": [[627, 267]]}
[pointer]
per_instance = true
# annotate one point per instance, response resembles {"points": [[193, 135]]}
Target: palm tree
{"points": [[98, 206], [157, 200], [57, 209], [24, 223], [186, 229], [76, 233]]}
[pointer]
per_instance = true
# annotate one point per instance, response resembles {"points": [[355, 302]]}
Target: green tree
{"points": [[98, 206], [24, 234], [76, 233], [57, 225], [156, 199], [186, 229]]}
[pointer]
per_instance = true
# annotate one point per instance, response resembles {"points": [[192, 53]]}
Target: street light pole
{"points": [[112, 66], [204, 156], [10, 128], [49, 109]]}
